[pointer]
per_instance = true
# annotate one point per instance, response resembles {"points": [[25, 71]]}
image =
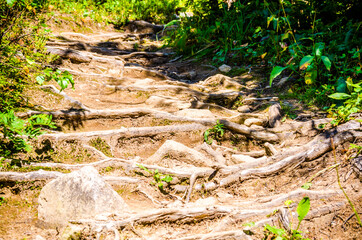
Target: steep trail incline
{"points": [[135, 107]]}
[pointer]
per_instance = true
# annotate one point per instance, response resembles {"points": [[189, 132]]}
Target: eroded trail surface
{"points": [[139, 116]]}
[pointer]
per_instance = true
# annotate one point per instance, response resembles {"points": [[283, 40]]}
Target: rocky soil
{"points": [[138, 115]]}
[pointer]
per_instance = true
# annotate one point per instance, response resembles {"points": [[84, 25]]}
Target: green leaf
{"points": [[319, 49], [40, 79], [269, 20], [167, 178], [303, 208], [276, 231], [339, 96], [277, 70], [327, 62], [10, 2], [305, 62]]}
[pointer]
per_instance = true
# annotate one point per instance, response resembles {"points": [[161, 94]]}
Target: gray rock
{"points": [[77, 195], [244, 109], [225, 68], [275, 115]]}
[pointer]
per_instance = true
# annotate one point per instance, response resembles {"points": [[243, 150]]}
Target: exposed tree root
{"points": [[236, 234], [127, 132], [186, 215], [130, 165], [73, 55], [175, 150], [42, 175], [262, 135], [144, 54], [74, 102], [315, 148]]}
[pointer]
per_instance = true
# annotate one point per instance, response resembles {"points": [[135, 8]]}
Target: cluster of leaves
{"points": [[315, 43], [272, 232], [22, 57], [216, 132], [62, 78], [21, 47], [119, 11], [16, 132], [159, 178]]}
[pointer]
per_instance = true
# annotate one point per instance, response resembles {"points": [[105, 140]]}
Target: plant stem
{"points": [[340, 185]]}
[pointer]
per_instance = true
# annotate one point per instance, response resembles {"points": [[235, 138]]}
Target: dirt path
{"points": [[133, 104]]}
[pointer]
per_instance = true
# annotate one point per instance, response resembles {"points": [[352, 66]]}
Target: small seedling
{"points": [[158, 177], [216, 132], [293, 234]]}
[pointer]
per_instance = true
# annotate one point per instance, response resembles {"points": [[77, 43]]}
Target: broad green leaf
{"points": [[269, 20], [310, 77], [339, 96], [357, 86], [305, 62], [40, 79], [10, 2], [277, 231], [285, 36], [303, 208], [327, 62], [319, 49], [349, 83], [277, 70]]}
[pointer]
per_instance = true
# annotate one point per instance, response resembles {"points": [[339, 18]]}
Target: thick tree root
{"points": [[187, 215], [42, 175], [315, 148], [127, 132]]}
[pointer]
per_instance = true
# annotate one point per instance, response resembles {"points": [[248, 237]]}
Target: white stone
{"points": [[77, 195], [225, 68]]}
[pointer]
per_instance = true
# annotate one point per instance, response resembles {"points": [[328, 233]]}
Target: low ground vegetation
{"points": [[193, 153]]}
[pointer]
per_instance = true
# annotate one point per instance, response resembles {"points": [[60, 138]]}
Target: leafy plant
{"points": [[293, 234], [62, 78], [352, 102], [216, 132], [16, 132], [309, 64], [159, 178]]}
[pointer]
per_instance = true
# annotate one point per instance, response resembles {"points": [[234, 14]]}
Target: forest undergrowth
{"points": [[135, 124]]}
